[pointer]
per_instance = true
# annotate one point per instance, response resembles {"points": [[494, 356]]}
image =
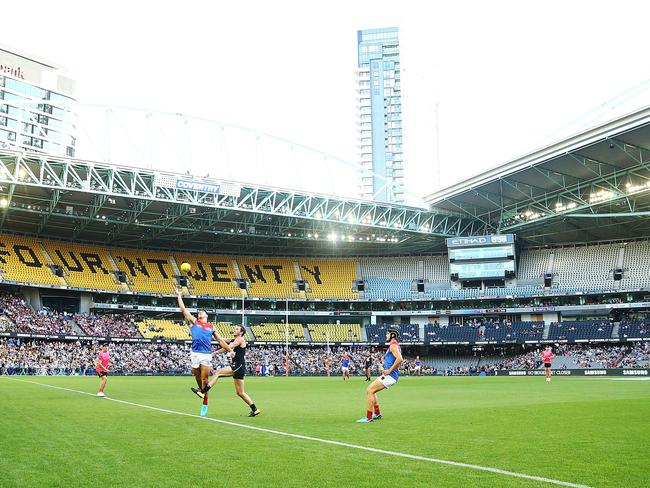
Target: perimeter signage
{"points": [[576, 372]]}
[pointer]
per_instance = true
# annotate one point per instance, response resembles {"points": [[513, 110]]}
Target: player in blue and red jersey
{"points": [[201, 356], [345, 366], [389, 377], [417, 370]]}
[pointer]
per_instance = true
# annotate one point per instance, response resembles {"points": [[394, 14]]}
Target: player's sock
{"points": [[206, 389], [369, 414], [377, 410], [253, 407], [205, 400]]}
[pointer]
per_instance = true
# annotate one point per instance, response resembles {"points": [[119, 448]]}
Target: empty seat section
{"points": [[634, 329], [436, 269], [334, 332], [84, 266], [389, 278], [210, 275], [329, 278], [636, 265], [268, 278], [588, 329], [169, 329], [278, 332], [407, 332], [585, 267], [22, 260], [147, 271], [224, 329], [532, 265]]}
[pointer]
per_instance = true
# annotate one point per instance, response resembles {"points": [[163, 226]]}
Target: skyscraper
{"points": [[35, 100], [380, 115]]}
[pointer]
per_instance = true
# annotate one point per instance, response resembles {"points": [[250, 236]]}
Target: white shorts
{"points": [[387, 381], [344, 369], [200, 358]]}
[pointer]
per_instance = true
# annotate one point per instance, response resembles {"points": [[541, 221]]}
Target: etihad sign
{"points": [[15, 72], [479, 240]]}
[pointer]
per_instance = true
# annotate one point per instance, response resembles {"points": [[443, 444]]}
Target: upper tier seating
{"points": [[52, 263], [329, 278], [84, 266], [147, 271], [588, 329], [636, 265], [210, 275], [634, 329], [585, 267], [23, 260], [407, 332]]}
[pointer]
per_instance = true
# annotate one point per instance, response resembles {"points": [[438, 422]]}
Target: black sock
{"points": [[253, 407], [206, 389]]}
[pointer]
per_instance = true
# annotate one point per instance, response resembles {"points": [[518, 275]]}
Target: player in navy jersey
{"points": [[367, 366], [201, 355], [389, 377], [236, 349]]}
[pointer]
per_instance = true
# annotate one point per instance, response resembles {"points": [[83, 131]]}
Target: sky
{"points": [[482, 82]]}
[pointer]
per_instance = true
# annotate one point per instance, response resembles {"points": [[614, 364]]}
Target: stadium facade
{"points": [[35, 98], [380, 115]]}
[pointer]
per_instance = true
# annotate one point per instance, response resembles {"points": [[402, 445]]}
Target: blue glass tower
{"points": [[380, 115]]}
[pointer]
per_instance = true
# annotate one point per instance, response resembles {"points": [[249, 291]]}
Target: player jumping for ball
{"points": [[389, 377], [101, 368], [237, 351], [547, 356], [201, 356]]}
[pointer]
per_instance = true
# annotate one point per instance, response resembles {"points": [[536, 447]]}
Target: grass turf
{"points": [[589, 431]]}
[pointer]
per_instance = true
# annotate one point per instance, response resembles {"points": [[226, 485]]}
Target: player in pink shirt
{"points": [[101, 367], [547, 356]]}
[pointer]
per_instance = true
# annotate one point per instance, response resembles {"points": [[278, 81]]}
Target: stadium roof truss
{"points": [[594, 186], [108, 204]]}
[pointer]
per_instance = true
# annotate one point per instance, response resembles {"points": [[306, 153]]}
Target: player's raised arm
{"points": [[188, 316]]}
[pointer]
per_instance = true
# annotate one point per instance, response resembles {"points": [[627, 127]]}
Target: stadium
{"points": [[550, 249]]}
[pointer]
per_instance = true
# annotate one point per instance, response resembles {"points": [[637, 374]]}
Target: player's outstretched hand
{"points": [[179, 291]]}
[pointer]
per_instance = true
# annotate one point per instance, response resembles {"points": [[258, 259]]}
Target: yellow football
{"points": [[185, 267]]}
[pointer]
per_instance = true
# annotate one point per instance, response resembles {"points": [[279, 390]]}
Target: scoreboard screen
{"points": [[482, 257]]}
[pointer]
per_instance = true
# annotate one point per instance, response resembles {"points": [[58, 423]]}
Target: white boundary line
{"points": [[325, 441]]}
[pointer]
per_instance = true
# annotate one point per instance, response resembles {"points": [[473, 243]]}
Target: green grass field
{"points": [[594, 432]]}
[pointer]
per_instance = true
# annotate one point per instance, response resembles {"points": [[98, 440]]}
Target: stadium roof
{"points": [[593, 186], [71, 199]]}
